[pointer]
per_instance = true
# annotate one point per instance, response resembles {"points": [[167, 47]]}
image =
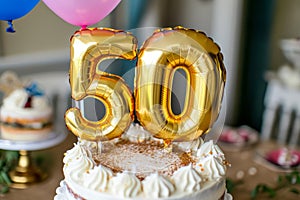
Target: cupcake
{"points": [[26, 113]]}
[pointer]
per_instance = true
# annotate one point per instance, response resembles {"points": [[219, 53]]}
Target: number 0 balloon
{"points": [[166, 51], [82, 12]]}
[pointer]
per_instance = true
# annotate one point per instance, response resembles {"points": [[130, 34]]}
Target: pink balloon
{"points": [[82, 12]]}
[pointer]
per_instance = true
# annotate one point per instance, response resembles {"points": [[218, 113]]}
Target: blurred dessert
{"points": [[284, 157], [26, 113]]}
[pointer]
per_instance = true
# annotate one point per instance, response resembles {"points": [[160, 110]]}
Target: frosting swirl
{"points": [[18, 98], [15, 105], [187, 179], [127, 185], [157, 186], [211, 167], [137, 134], [97, 178], [61, 191], [79, 164], [72, 154], [208, 149]]}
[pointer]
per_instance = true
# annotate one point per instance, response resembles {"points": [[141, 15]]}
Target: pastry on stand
{"points": [[26, 125], [26, 172], [26, 112]]}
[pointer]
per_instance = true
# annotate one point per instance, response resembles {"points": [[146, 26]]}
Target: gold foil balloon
{"points": [[166, 51], [89, 47]]}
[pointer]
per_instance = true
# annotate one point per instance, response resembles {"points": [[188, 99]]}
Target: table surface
{"points": [[241, 161]]}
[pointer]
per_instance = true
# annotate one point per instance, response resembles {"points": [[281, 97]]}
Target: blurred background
{"points": [[248, 32]]}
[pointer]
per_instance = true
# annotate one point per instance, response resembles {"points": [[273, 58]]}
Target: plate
{"points": [[281, 159], [237, 138], [51, 140]]}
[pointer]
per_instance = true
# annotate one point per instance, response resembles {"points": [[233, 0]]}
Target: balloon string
{"points": [[10, 28]]}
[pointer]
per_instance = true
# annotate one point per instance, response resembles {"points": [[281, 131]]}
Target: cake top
{"points": [[23, 98], [21, 94], [148, 169], [142, 158]]}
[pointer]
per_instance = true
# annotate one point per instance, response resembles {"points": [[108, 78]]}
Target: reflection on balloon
{"points": [[82, 12], [162, 55], [166, 51], [14, 9], [89, 47]]}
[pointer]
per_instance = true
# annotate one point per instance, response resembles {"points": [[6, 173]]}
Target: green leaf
{"points": [[1, 180], [262, 188], [295, 190], [270, 191], [255, 191], [8, 160], [5, 178], [230, 185], [4, 189]]}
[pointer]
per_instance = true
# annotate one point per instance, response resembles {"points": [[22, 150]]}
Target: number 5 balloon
{"points": [[82, 12], [14, 9]]}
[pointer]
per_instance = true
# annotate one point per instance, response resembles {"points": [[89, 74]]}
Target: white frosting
{"points": [[72, 154], [157, 186], [79, 164], [61, 192], [211, 167], [209, 148], [17, 99], [227, 196], [187, 179], [126, 185], [137, 134], [13, 105], [210, 191], [211, 161], [189, 182], [97, 178]]}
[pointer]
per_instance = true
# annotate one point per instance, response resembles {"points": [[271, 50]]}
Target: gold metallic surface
{"points": [[25, 172], [166, 51], [89, 47]]}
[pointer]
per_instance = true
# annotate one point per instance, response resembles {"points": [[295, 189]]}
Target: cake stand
{"points": [[26, 172]]}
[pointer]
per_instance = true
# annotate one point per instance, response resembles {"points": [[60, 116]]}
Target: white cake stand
{"points": [[26, 172]]}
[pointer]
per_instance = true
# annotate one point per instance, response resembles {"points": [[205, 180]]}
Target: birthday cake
{"points": [[26, 113], [141, 149], [138, 167]]}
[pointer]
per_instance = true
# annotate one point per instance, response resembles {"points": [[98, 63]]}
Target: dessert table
{"points": [[247, 167], [242, 165]]}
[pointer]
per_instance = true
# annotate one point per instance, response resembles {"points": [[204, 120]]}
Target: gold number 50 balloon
{"points": [[166, 51], [89, 48]]}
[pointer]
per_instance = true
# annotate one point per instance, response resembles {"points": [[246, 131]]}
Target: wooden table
{"points": [[241, 162], [244, 162]]}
